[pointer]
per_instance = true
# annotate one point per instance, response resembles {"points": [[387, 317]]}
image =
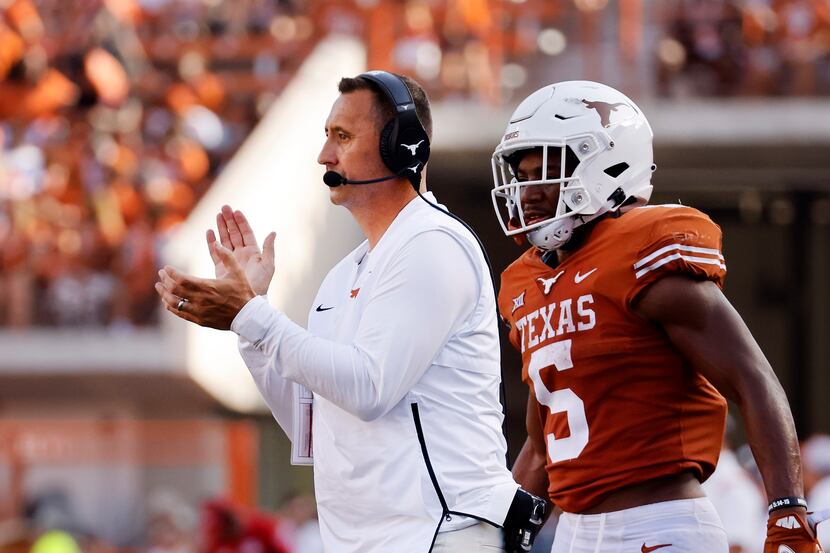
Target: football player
{"points": [[627, 340]]}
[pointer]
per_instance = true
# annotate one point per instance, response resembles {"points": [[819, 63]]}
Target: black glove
{"points": [[524, 520]]}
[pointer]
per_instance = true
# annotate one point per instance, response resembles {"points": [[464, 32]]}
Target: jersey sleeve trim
{"points": [[642, 268]]}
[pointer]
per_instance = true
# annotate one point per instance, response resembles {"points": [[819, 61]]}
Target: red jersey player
{"points": [[627, 341]]}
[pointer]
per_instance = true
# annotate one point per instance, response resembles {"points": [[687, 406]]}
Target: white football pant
{"points": [[681, 526]]}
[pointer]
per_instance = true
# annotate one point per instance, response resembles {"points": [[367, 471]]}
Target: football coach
{"points": [[401, 353]]}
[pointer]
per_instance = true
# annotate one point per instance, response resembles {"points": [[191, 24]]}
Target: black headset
{"points": [[404, 143]]}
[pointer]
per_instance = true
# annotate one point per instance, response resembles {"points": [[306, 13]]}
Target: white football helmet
{"points": [[607, 133]]}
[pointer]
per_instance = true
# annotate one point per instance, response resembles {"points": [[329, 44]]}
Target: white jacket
{"points": [[406, 330]]}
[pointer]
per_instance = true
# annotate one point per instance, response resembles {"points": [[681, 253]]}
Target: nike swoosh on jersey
{"points": [[579, 278], [645, 549], [785, 549], [321, 308]]}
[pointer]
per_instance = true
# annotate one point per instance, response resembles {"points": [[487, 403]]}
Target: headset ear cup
{"points": [[412, 142], [388, 141]]}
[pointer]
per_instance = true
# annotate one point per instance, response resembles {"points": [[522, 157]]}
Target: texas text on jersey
{"points": [[618, 405]]}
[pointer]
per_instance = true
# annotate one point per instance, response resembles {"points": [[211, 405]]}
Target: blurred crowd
{"points": [[173, 526], [746, 47], [117, 115]]}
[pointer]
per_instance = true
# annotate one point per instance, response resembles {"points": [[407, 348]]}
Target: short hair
{"points": [[386, 110]]}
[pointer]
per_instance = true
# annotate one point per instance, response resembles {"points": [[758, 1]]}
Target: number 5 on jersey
{"points": [[558, 355]]}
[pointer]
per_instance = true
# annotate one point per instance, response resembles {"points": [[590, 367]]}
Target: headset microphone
{"points": [[334, 179]]}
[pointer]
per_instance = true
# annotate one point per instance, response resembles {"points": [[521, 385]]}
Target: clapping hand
{"points": [[242, 272], [236, 235]]}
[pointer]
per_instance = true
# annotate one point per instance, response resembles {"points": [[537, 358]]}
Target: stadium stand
{"points": [[118, 115]]}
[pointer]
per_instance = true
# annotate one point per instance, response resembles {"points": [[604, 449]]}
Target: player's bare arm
{"points": [[709, 332], [236, 235], [529, 468]]}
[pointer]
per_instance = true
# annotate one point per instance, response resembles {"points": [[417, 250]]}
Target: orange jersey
{"points": [[618, 404]]}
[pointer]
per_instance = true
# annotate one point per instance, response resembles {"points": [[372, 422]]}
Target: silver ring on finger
{"points": [[180, 305]]}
